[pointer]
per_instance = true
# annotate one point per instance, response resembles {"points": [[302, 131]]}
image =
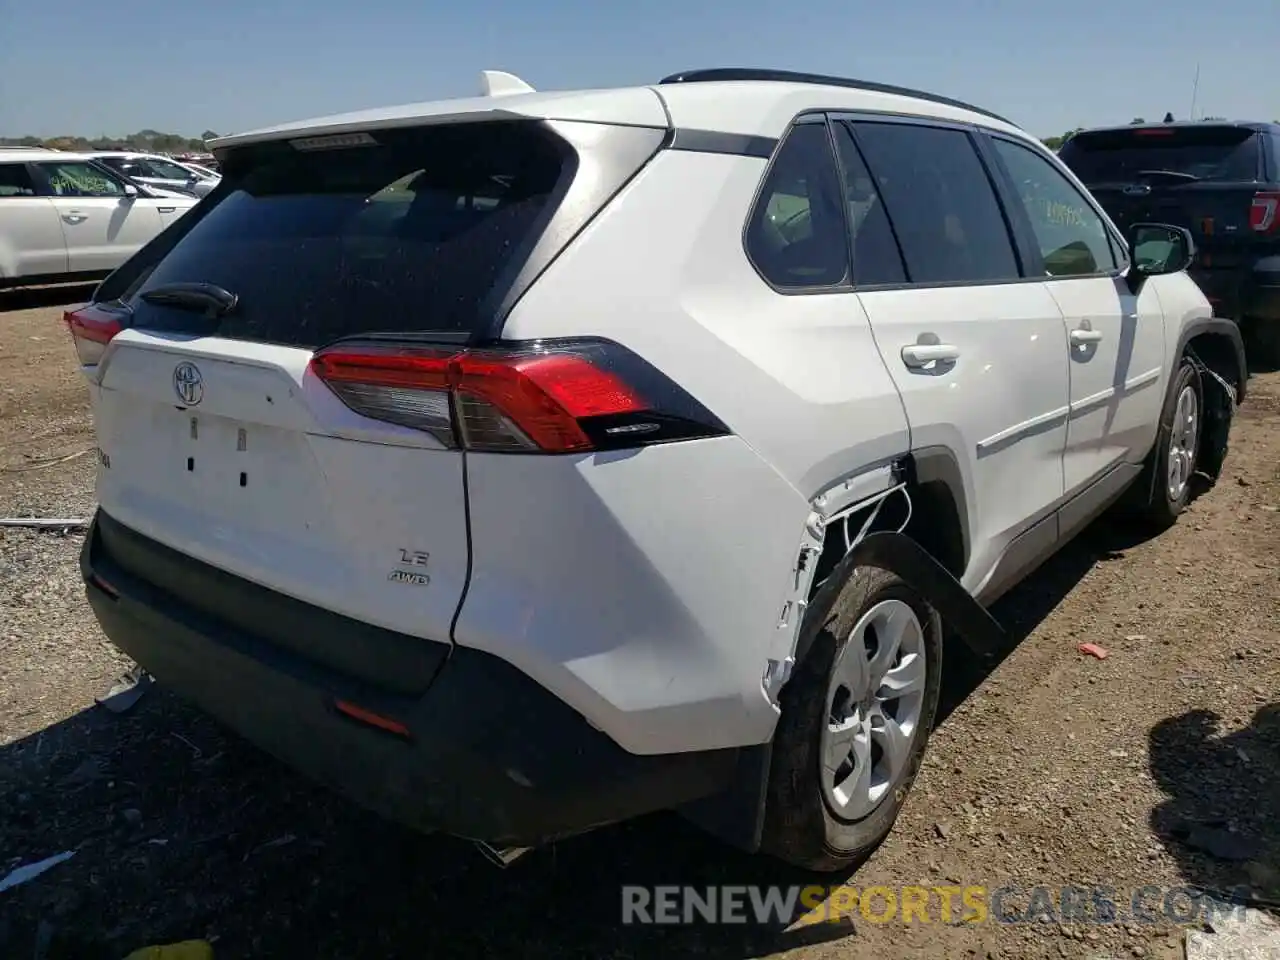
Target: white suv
{"points": [[520, 464], [63, 216]]}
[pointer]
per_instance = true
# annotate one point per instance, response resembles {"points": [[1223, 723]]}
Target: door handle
{"points": [[917, 355], [74, 216], [166, 209], [1081, 336]]}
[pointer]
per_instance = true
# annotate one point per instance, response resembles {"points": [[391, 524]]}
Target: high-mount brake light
{"points": [[1264, 212], [555, 398], [91, 328]]}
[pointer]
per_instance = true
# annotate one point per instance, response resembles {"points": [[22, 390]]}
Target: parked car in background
{"points": [[64, 216], [426, 508], [1219, 180], [158, 171]]}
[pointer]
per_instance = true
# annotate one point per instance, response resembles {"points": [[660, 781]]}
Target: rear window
{"points": [[1205, 153], [405, 234]]}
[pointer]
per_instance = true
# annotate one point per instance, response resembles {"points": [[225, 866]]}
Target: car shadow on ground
{"points": [[182, 831], [1023, 608], [1221, 820], [34, 298]]}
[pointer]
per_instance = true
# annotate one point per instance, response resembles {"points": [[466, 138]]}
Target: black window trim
{"points": [[1115, 240], [972, 130]]}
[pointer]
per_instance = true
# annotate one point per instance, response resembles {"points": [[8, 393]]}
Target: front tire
{"points": [[856, 717], [1172, 462]]}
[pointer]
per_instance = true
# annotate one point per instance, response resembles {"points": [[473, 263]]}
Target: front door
{"points": [[1116, 338], [103, 226]]}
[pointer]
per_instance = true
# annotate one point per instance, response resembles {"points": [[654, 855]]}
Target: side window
{"points": [[876, 258], [940, 201], [15, 181], [73, 179], [1072, 237], [796, 236]]}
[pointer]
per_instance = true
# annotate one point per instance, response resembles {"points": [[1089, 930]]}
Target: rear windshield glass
{"points": [[407, 234], [1205, 153]]}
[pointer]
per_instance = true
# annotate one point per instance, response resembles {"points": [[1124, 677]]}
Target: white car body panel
{"points": [[31, 240], [1001, 409], [320, 515]]}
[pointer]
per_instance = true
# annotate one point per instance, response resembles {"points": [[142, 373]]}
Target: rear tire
{"points": [[1172, 460], [856, 717]]}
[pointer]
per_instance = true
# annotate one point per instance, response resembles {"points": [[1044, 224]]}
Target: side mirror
{"points": [[130, 192], [1156, 249]]}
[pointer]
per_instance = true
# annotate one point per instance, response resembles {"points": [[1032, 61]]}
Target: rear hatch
{"points": [[1206, 177], [219, 438]]}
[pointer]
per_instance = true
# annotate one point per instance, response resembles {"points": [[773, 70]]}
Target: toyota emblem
{"points": [[188, 384]]}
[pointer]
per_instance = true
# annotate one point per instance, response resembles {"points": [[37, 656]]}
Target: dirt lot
{"points": [[1053, 769]]}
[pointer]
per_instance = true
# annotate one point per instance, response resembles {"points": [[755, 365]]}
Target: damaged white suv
{"points": [[521, 464]]}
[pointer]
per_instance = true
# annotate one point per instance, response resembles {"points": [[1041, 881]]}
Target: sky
{"points": [[233, 65]]}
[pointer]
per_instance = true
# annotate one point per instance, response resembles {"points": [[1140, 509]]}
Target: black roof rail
{"points": [[718, 74]]}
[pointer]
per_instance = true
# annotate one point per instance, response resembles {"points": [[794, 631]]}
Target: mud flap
{"points": [[736, 816]]}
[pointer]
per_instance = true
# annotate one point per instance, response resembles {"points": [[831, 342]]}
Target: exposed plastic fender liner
{"points": [[1214, 438], [940, 465], [1219, 326], [899, 554]]}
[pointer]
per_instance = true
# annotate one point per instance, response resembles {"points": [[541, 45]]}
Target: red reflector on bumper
{"points": [[370, 718]]}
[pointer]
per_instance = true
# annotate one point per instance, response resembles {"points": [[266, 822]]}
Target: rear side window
{"points": [[1201, 152], [15, 181], [941, 203], [405, 234], [796, 235]]}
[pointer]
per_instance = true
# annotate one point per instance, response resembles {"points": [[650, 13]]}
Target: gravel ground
{"points": [[1052, 769]]}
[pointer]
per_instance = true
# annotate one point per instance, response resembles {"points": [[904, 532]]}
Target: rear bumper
{"points": [[490, 754]]}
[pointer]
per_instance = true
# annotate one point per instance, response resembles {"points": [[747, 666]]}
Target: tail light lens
{"points": [[565, 397], [1264, 214], [92, 328]]}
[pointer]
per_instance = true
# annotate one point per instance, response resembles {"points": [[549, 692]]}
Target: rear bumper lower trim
{"points": [[490, 755]]}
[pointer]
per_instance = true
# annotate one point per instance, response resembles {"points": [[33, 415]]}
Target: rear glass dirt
{"points": [[406, 234], [1208, 152]]}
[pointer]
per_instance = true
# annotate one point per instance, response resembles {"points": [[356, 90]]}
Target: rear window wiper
{"points": [[1170, 174], [208, 297]]}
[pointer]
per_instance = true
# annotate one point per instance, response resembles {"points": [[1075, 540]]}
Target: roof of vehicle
{"points": [[35, 155], [744, 102], [124, 153], [1184, 124]]}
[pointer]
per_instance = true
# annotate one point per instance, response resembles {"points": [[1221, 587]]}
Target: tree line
{"points": [[144, 141]]}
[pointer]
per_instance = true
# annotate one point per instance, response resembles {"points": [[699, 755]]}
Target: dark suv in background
{"points": [[1219, 180]]}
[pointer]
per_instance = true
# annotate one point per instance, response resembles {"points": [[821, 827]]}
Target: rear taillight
{"points": [[1264, 214], [91, 328], [550, 398]]}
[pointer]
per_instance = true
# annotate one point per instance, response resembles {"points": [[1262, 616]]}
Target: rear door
{"points": [[31, 241], [976, 348], [222, 441], [103, 226]]}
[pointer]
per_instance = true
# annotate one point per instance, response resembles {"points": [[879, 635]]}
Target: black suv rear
{"points": [[1219, 180]]}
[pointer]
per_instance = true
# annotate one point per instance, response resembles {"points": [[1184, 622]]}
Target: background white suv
{"points": [[63, 216], [157, 171], [520, 464]]}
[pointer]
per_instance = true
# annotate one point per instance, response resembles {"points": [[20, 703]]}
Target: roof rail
{"points": [[791, 76]]}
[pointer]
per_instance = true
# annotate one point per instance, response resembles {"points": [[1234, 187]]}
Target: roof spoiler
{"points": [[496, 83]]}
